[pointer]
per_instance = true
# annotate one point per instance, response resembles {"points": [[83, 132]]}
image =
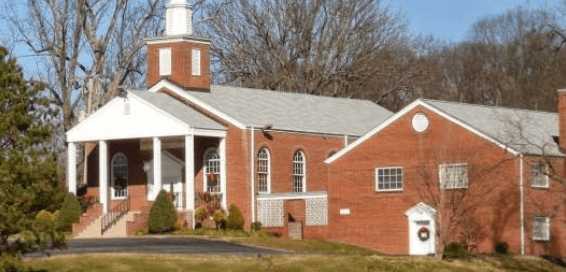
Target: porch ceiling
{"points": [[143, 116]]}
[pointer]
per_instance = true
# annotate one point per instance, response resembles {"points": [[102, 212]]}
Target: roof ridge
{"points": [[488, 106], [296, 93]]}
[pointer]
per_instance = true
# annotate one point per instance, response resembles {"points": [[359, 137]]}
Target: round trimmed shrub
{"points": [[200, 214], [162, 216], [235, 219], [502, 248], [219, 218], [69, 213], [455, 250]]}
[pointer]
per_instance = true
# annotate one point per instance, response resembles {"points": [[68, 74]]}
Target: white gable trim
{"points": [[111, 123], [420, 208], [184, 94], [405, 110]]}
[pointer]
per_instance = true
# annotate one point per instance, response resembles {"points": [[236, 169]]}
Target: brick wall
{"points": [[377, 219], [181, 72]]}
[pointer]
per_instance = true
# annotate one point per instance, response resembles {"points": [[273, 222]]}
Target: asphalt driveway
{"points": [[158, 245]]}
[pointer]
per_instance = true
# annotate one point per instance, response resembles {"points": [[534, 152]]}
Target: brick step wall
{"points": [[91, 214]]}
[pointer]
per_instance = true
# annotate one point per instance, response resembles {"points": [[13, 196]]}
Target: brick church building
{"points": [[340, 169]]}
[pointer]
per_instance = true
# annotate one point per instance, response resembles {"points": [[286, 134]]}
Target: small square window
{"points": [[454, 176], [539, 178], [541, 228], [389, 179]]}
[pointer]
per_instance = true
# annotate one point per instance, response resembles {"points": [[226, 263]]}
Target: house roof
{"points": [[526, 131], [515, 130], [179, 110], [294, 111]]}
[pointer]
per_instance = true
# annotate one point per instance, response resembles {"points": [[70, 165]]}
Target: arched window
{"points": [[212, 170], [299, 172], [119, 175], [263, 171]]}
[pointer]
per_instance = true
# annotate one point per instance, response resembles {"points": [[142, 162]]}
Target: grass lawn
{"points": [[307, 255], [345, 263]]}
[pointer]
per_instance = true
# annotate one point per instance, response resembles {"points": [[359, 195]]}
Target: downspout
{"points": [[521, 203], [252, 171]]}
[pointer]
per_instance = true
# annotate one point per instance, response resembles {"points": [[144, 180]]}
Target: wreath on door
{"points": [[424, 234]]}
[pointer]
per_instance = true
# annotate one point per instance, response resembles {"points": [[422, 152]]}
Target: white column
{"points": [[223, 186], [103, 175], [72, 168], [190, 171], [156, 166]]}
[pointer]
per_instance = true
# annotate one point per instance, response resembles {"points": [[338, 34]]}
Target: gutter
{"points": [[252, 171], [521, 203]]}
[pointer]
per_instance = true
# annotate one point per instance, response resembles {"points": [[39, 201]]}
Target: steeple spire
{"points": [[178, 18]]}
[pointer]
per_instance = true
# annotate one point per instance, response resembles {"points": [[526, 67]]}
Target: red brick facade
{"points": [[487, 210]]}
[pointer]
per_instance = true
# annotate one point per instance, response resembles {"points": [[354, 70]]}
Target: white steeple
{"points": [[178, 18]]}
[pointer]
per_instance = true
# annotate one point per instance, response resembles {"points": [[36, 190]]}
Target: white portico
{"points": [[157, 121]]}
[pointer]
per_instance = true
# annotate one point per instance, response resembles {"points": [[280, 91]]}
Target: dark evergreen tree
{"points": [[70, 213], [162, 216], [28, 172]]}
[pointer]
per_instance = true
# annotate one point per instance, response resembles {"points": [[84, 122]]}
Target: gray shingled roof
{"points": [[181, 111], [294, 111], [526, 131]]}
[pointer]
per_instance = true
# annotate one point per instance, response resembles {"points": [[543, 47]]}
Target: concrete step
{"points": [[118, 230]]}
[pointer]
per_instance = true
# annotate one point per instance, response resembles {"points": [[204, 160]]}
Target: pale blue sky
{"points": [[450, 20], [447, 20]]}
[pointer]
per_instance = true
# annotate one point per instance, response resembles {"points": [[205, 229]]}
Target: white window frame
{"points": [[533, 177], [205, 170], [114, 159], [304, 169], [546, 226], [441, 170], [267, 173], [165, 67], [196, 60], [377, 189]]}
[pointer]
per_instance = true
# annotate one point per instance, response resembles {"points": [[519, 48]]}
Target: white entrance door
{"points": [[174, 186], [422, 229]]}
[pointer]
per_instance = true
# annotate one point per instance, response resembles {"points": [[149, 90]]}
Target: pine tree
{"points": [[28, 172]]}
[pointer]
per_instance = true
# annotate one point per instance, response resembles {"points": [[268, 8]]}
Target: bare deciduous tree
{"points": [[318, 47], [89, 48]]}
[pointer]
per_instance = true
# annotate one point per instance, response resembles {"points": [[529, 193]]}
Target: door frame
{"points": [[421, 212]]}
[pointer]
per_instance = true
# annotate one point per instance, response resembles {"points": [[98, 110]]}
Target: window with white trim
{"points": [[263, 171], [299, 172], [541, 228], [389, 179], [165, 61], [119, 174], [453, 176], [538, 177], [212, 170], [195, 62]]}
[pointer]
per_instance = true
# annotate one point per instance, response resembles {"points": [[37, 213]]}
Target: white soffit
{"points": [[116, 120]]}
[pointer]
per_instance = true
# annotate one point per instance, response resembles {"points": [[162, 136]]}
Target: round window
{"points": [[420, 122]]}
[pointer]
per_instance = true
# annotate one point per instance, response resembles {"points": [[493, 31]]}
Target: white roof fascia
{"points": [[184, 94], [402, 112]]}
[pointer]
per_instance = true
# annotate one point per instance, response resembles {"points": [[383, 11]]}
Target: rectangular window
{"points": [[453, 176], [389, 179], [538, 177], [541, 228], [195, 62], [165, 61]]}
